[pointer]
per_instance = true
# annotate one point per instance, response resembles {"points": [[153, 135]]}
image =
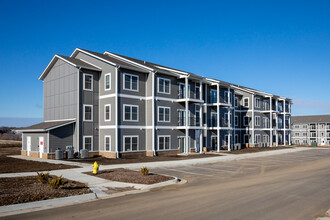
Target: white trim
{"points": [[131, 136], [127, 60], [169, 85], [88, 136], [169, 142], [105, 148], [257, 124], [28, 149], [131, 112], [105, 112], [248, 103], [84, 88], [92, 55], [245, 116], [248, 138], [255, 137], [169, 114], [257, 104], [85, 105], [116, 113], [131, 84], [71, 119], [105, 82], [70, 122]]}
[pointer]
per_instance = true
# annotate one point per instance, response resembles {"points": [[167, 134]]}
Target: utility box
{"points": [[59, 154], [83, 153], [69, 152], [314, 144]]}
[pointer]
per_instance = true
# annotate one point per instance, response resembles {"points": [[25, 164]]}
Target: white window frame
{"points": [[258, 101], [257, 120], [105, 112], [265, 125], [236, 120], [84, 88], [236, 102], [256, 138], [197, 86], [267, 137], [105, 147], [248, 120], [169, 114], [169, 85], [105, 82], [225, 96], [248, 102], [131, 136], [131, 114], [137, 85], [169, 142], [86, 105], [249, 137], [84, 142], [226, 140]]}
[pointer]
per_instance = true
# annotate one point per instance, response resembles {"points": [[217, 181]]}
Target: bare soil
{"points": [[142, 159], [13, 165], [131, 176], [16, 190], [255, 149]]}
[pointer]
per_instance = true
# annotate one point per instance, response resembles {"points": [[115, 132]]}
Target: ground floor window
{"points": [[164, 142], [257, 138], [296, 141], [131, 143], [88, 143], [107, 143], [214, 142], [266, 138]]}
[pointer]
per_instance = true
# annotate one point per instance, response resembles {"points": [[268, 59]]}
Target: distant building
{"points": [[113, 105], [309, 129]]}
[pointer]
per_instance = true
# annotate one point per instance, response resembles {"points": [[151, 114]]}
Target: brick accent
{"points": [[23, 153], [92, 154], [108, 154], [132, 154], [168, 152], [34, 154], [149, 153], [48, 156]]}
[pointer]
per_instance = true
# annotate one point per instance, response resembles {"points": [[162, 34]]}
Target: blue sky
{"points": [[280, 47]]}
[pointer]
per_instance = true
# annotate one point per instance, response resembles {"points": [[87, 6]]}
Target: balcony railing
{"points": [[192, 121]]}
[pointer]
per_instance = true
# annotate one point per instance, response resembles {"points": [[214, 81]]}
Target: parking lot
{"points": [[244, 167]]}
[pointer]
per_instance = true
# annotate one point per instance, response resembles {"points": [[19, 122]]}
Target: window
{"points": [[88, 113], [225, 97], [296, 134], [88, 143], [257, 105], [131, 113], [304, 134], [246, 138], [107, 143], [266, 122], [197, 115], [313, 134], [131, 143], [182, 91], [225, 140], [236, 102], [304, 126], [197, 92], [131, 82], [164, 85], [214, 96], [257, 123], [266, 105], [182, 117], [107, 115], [236, 138], [257, 138], [164, 114], [296, 141], [214, 142], [246, 120], [296, 126], [107, 82], [164, 142], [88, 82], [214, 121], [236, 120], [266, 139], [246, 102], [312, 126]]}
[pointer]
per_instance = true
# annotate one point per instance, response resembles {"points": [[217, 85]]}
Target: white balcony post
{"points": [[186, 116], [253, 141], [271, 121], [284, 127], [218, 118], [205, 108], [200, 90]]}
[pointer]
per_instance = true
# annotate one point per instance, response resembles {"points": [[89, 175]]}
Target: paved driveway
{"points": [[286, 186]]}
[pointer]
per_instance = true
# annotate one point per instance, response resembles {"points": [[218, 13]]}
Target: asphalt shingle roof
{"points": [[47, 125], [310, 119]]}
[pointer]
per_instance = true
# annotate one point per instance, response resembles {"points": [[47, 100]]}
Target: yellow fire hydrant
{"points": [[95, 168]]}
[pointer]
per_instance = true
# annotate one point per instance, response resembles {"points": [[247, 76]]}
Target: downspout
{"points": [[116, 113], [218, 118], [153, 111], [187, 118], [78, 110]]}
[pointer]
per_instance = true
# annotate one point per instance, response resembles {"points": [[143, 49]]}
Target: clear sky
{"points": [[280, 47]]}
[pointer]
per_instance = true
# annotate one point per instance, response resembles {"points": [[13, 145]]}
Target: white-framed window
{"points": [[246, 102], [164, 142], [257, 138], [131, 113], [296, 141], [88, 143], [246, 138], [236, 102], [225, 118], [257, 105], [266, 105], [88, 82], [266, 122], [225, 96], [214, 142], [197, 90], [107, 81], [214, 96], [225, 140], [88, 112], [182, 117], [164, 85], [131, 82], [266, 139], [296, 134], [257, 122], [246, 120], [164, 114], [107, 143], [131, 143], [236, 120], [107, 112], [197, 114]]}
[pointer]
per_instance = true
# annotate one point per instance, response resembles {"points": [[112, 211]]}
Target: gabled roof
{"points": [[46, 126], [310, 119], [72, 61]]}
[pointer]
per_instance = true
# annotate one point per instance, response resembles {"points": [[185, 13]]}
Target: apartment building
{"points": [[307, 130], [115, 105]]}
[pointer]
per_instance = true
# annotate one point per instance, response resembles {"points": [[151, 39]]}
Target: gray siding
{"points": [[61, 137]]}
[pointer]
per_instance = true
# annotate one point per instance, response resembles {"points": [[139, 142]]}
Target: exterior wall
{"points": [[60, 92], [35, 141], [61, 137], [303, 134]]}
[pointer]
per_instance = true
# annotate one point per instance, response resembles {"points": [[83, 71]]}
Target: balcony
{"points": [[192, 121], [213, 123]]}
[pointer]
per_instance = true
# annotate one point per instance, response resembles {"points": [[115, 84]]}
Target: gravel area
{"points": [[131, 176], [16, 190]]}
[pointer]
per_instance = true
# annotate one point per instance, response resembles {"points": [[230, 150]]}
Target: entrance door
{"points": [[41, 146], [181, 144], [323, 141], [198, 138], [28, 145], [214, 143]]}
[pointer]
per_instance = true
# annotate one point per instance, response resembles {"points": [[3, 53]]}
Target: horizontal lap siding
{"points": [[61, 137]]}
